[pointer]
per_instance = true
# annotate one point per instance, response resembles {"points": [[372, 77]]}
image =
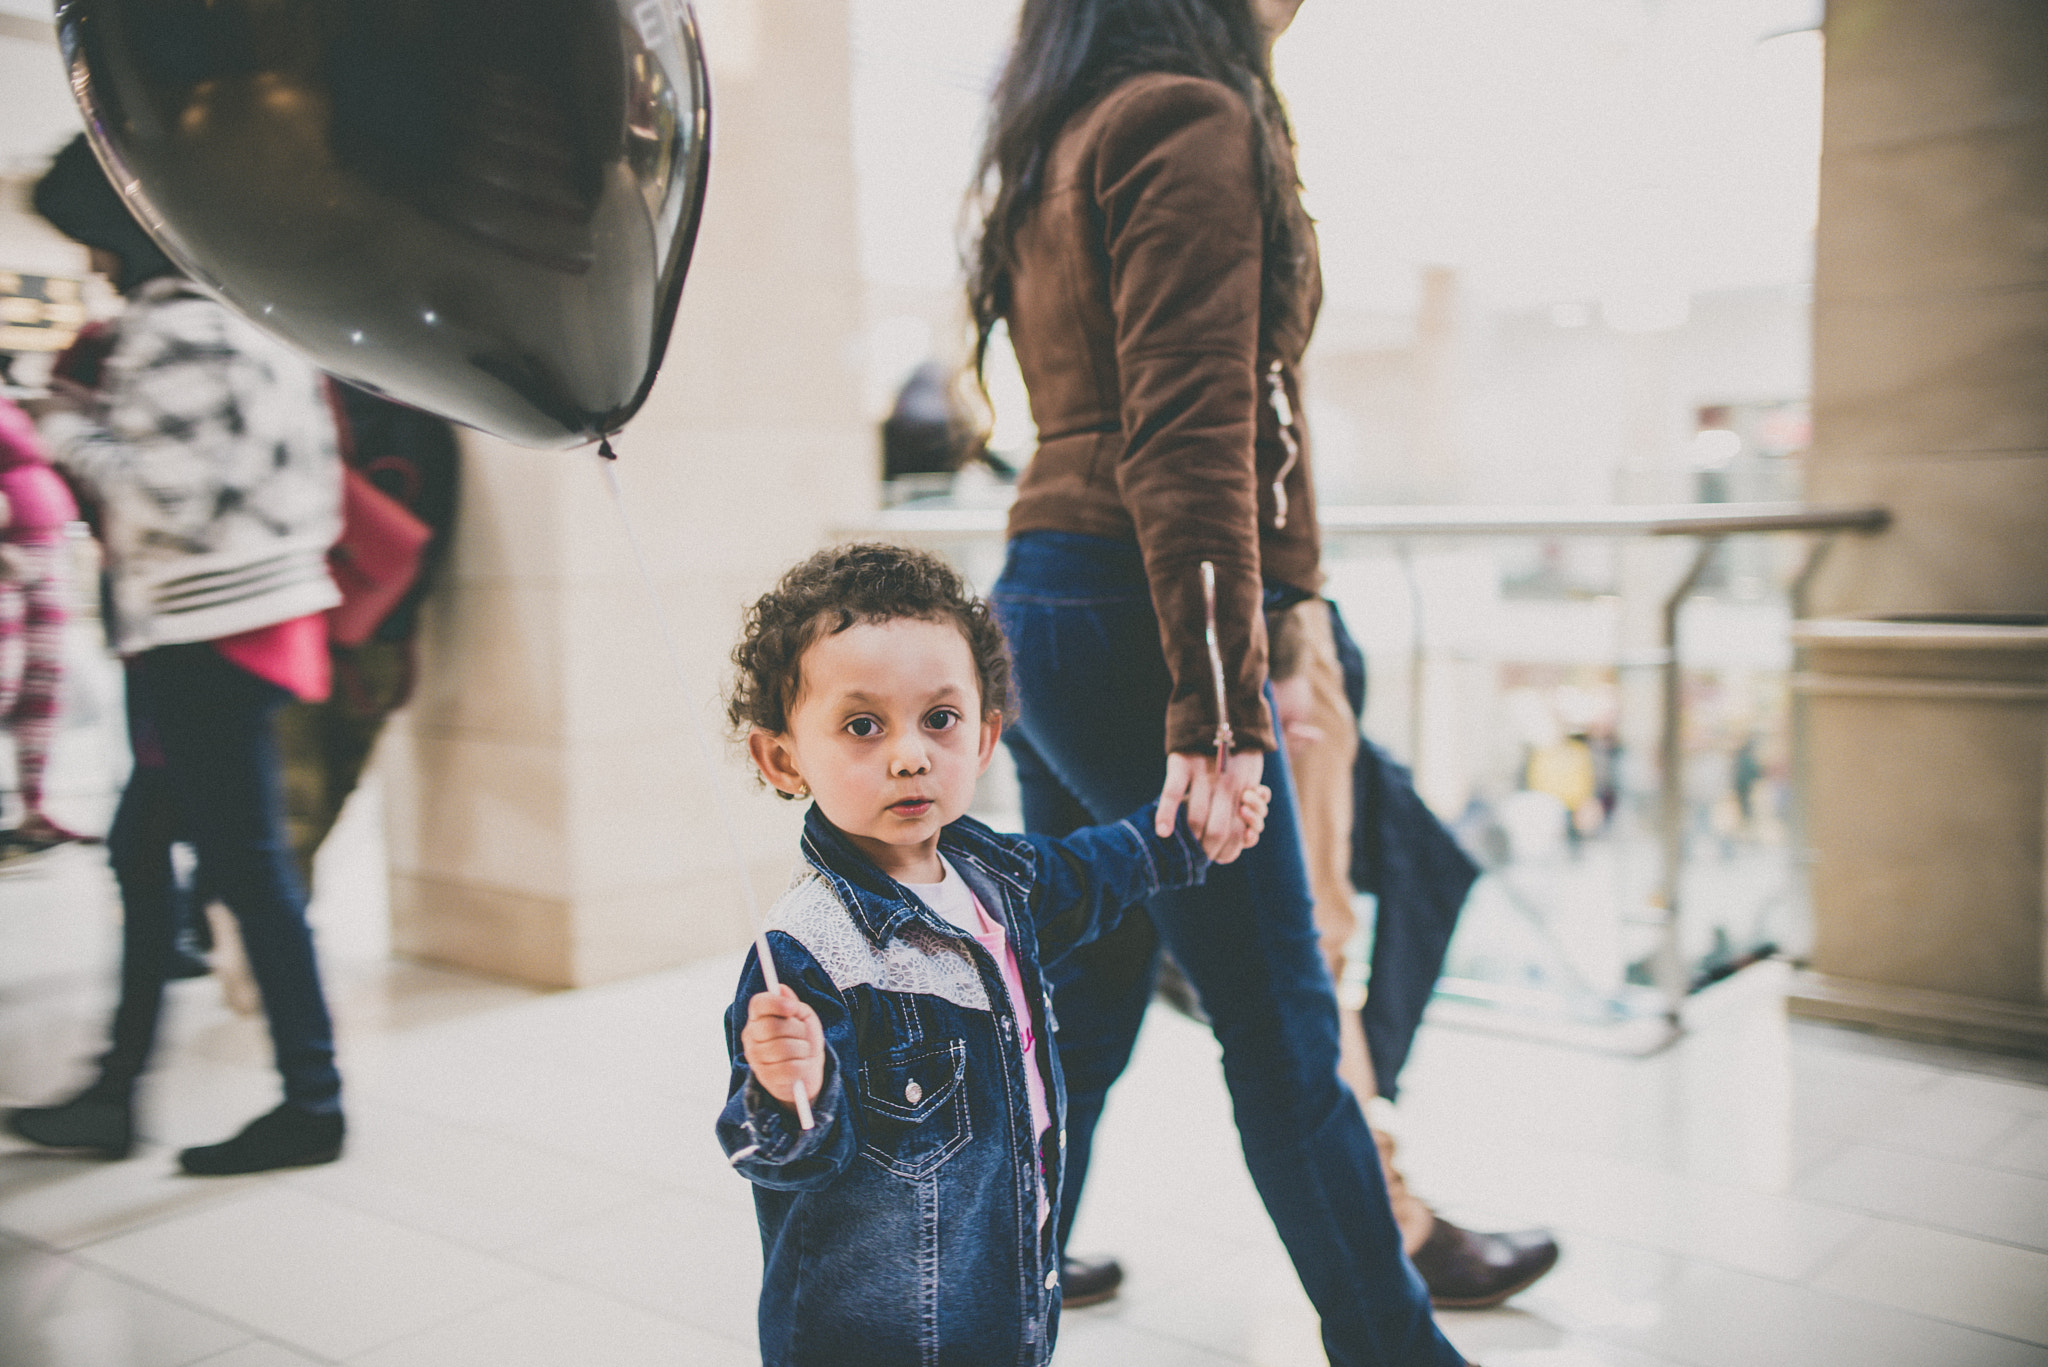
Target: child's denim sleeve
{"points": [[1087, 880], [786, 1157]]}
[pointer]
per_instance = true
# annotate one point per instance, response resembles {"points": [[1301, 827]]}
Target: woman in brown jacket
{"points": [[1145, 246]]}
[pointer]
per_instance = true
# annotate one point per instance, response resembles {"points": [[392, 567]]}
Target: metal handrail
{"points": [[1684, 519], [1401, 520], [1708, 523]]}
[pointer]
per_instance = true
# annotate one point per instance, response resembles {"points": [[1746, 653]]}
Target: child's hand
{"points": [[784, 1044], [1212, 796], [1252, 806]]}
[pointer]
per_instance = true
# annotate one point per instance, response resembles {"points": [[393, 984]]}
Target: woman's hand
{"points": [[784, 1045], [1216, 803]]}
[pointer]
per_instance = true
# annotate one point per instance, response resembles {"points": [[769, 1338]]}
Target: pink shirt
{"points": [[291, 654], [956, 902]]}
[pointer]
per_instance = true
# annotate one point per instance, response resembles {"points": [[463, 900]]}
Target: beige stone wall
{"points": [[1931, 304], [1928, 744], [551, 816]]}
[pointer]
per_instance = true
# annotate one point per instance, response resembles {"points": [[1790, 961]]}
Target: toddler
{"points": [[914, 1223]]}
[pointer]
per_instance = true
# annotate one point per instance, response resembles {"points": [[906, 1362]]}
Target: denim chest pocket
{"points": [[914, 1107]]}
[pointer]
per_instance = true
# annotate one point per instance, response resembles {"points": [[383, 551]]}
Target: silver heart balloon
{"points": [[483, 208]]}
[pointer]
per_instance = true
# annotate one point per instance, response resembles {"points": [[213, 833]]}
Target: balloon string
{"points": [[706, 760]]}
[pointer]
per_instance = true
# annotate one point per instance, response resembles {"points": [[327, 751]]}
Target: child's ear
{"points": [[991, 732], [770, 753]]}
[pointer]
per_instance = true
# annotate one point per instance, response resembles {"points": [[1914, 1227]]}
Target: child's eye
{"points": [[864, 727], [944, 719]]}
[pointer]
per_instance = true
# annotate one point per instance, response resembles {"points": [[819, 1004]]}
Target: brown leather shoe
{"points": [[1086, 1283], [1469, 1271]]}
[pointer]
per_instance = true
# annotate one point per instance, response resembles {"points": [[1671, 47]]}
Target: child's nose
{"points": [[909, 760]]}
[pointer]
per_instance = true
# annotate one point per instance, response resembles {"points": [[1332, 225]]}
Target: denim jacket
{"points": [[903, 1228]]}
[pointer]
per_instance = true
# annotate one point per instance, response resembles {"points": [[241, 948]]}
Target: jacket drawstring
{"points": [[1215, 644], [1276, 395]]}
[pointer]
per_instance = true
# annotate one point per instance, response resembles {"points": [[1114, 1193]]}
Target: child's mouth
{"points": [[911, 806]]}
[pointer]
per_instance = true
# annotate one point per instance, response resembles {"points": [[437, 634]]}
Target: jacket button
{"points": [[1063, 1136], [1052, 1279], [912, 1093]]}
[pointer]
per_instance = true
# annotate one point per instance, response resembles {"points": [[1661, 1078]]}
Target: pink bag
{"points": [[376, 560]]}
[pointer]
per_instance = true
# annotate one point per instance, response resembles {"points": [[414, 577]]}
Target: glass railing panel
{"points": [[1517, 662]]}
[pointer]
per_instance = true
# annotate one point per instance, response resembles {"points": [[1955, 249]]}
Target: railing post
{"points": [[1418, 653], [1667, 965]]}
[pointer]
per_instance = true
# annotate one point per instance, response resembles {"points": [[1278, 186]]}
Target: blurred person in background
{"points": [[1145, 243], [210, 455], [931, 431], [76, 374], [1364, 826], [411, 458], [403, 468], [926, 432], [34, 605]]}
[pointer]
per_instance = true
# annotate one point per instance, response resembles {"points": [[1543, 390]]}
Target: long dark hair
{"points": [[1067, 53]]}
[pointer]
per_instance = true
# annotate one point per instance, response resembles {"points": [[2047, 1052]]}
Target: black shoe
{"points": [[99, 1125], [1468, 1271], [1088, 1283], [288, 1137]]}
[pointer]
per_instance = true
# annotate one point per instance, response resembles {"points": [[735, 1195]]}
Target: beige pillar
{"points": [[1931, 397], [1931, 303], [551, 819]]}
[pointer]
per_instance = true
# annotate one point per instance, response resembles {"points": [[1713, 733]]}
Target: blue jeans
{"points": [[206, 772], [1089, 746]]}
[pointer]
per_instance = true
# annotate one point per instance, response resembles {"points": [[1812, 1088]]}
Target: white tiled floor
{"points": [[531, 1182]]}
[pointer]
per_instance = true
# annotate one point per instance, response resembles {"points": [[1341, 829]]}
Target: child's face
{"points": [[888, 733]]}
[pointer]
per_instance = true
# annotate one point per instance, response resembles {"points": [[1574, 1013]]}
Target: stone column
{"points": [[1931, 397], [551, 817]]}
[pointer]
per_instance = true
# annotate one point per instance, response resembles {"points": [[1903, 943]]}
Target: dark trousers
{"points": [[1089, 746], [325, 745], [206, 772]]}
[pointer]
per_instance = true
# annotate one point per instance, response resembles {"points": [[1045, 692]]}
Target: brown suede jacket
{"points": [[1135, 318]]}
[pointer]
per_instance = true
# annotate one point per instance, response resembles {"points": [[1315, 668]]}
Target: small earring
{"points": [[803, 790]]}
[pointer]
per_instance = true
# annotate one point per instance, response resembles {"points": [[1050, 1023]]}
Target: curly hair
{"points": [[833, 590]]}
